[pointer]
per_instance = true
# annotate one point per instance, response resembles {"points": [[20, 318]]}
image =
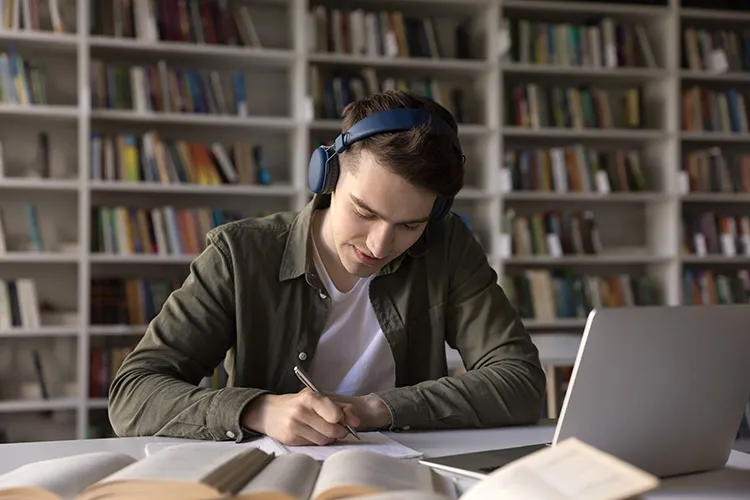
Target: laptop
{"points": [[661, 387]]}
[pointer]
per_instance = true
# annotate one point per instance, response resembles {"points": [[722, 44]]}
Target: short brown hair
{"points": [[426, 160]]}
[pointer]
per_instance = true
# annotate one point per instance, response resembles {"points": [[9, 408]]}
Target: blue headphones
{"points": [[324, 163]]}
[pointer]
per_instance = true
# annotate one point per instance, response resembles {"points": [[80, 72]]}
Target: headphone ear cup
{"points": [[332, 174], [442, 207], [317, 171]]}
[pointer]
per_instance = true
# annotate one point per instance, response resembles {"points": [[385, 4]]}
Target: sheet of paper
{"points": [[266, 444], [372, 441]]}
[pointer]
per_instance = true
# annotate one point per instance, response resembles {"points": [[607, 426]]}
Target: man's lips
{"points": [[365, 258]]}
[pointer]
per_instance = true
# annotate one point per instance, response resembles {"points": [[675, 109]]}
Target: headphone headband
{"points": [[394, 120], [324, 165]]}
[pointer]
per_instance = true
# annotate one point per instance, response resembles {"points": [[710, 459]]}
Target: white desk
{"points": [[731, 482]]}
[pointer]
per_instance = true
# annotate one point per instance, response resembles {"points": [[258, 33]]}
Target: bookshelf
{"points": [[529, 171]]}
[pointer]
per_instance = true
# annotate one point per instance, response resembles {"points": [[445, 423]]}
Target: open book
{"points": [[204, 471], [345, 474], [185, 471], [571, 469]]}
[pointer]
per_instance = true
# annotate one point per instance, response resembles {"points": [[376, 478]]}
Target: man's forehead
{"points": [[393, 211]]}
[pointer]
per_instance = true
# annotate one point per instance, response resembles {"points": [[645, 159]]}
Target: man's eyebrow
{"points": [[365, 206]]}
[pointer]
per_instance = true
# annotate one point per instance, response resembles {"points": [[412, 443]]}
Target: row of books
{"points": [[710, 233], [19, 304], [717, 50], [128, 301], [152, 158], [46, 15], [714, 170], [601, 43], [713, 110], [536, 105], [574, 168], [730, 5], [104, 363], [380, 33], [553, 232], [214, 22], [546, 295], [538, 294], [558, 380], [113, 301], [708, 287], [40, 167], [3, 236], [35, 241], [22, 81], [164, 230], [161, 88], [331, 91]]}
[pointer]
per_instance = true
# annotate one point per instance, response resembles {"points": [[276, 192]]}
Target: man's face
{"points": [[376, 216]]}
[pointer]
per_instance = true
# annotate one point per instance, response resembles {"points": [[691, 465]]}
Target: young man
{"points": [[361, 289]]}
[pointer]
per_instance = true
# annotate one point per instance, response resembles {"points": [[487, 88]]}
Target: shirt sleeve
{"points": [[504, 383], [155, 391]]}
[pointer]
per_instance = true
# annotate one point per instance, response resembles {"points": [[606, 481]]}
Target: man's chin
{"points": [[357, 268], [361, 270]]}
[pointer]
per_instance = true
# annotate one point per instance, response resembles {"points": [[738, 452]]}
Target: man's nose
{"points": [[380, 240]]}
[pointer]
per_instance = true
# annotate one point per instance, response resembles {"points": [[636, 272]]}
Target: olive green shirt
{"points": [[254, 300]]}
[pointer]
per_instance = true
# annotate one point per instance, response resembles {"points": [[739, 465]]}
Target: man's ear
{"points": [[333, 174], [419, 247]]}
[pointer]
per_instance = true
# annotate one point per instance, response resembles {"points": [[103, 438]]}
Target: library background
{"points": [[608, 159]]}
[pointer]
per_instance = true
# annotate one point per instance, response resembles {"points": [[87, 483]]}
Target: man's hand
{"points": [[370, 410], [298, 419]]}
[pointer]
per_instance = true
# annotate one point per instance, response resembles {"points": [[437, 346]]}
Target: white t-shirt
{"points": [[353, 357]]}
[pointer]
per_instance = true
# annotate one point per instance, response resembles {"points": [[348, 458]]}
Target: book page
{"points": [[66, 477], [188, 463], [292, 475], [360, 471], [571, 469], [407, 495], [370, 441]]}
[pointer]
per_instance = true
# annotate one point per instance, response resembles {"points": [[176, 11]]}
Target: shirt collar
{"points": [[298, 258]]}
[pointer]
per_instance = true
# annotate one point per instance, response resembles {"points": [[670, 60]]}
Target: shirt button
{"points": [[231, 435], [302, 356]]}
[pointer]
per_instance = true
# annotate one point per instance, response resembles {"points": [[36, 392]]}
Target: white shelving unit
{"points": [[279, 87]]}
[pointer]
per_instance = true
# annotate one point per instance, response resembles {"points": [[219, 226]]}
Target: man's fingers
{"points": [[350, 415], [349, 408], [330, 431], [304, 435], [326, 408], [322, 415], [316, 430], [333, 430]]}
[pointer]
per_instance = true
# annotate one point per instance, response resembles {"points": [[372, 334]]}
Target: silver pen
{"points": [[309, 383]]}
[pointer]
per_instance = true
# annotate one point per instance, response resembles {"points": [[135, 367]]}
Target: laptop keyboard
{"points": [[489, 469], [510, 455]]}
